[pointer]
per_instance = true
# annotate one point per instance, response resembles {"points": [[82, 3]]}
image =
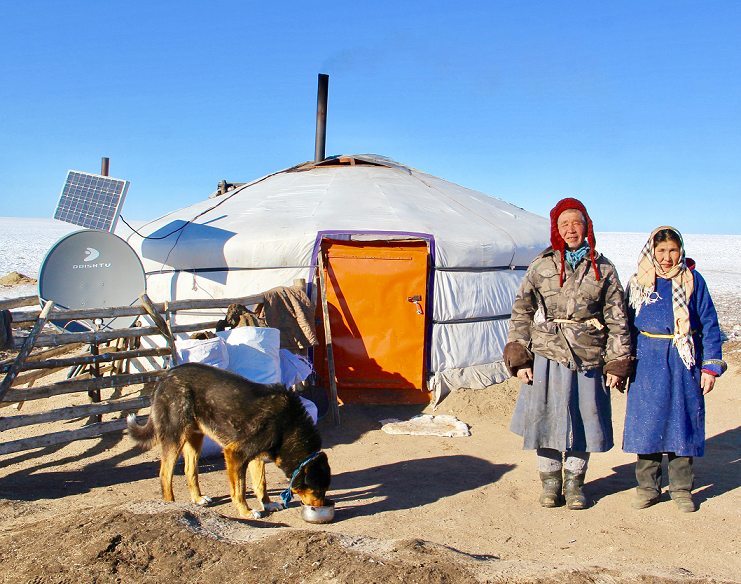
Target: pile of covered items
{"points": [[266, 346]]}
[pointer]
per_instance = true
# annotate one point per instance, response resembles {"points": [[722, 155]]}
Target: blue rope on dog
{"points": [[287, 495]]}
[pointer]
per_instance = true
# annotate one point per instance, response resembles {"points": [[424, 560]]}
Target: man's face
{"points": [[572, 226]]}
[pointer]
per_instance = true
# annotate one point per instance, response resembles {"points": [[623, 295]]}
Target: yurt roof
{"points": [[274, 221]]}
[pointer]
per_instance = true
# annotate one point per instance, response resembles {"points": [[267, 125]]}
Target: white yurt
{"points": [[421, 272]]}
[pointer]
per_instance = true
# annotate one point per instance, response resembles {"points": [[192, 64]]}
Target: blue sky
{"points": [[632, 107]]}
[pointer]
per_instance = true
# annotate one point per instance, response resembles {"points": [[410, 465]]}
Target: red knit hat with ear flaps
{"points": [[557, 241]]}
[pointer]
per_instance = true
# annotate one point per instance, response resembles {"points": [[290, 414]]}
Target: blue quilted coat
{"points": [[666, 409]]}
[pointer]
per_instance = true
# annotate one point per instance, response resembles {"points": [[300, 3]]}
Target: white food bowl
{"points": [[324, 514]]}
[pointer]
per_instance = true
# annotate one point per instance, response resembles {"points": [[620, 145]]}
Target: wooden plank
{"points": [[18, 302], [63, 314], [93, 313], [155, 315], [176, 305], [39, 355], [62, 437], [161, 325], [31, 378], [91, 359], [65, 387], [100, 336], [328, 341], [59, 339], [25, 350], [47, 353], [73, 412]]}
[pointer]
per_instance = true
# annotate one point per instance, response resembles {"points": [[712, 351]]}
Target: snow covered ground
{"points": [[25, 242]]}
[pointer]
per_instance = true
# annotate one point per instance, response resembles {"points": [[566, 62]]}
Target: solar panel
{"points": [[91, 200]]}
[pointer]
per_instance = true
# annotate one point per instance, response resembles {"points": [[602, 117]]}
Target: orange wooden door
{"points": [[377, 297]]}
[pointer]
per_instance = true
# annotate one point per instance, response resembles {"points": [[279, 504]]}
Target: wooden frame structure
{"points": [[30, 366]]}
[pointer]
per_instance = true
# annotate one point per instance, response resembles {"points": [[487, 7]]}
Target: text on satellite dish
{"points": [[84, 267]]}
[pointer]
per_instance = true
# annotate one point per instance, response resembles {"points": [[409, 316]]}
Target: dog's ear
{"points": [[317, 474]]}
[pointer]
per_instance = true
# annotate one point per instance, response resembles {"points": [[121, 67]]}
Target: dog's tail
{"points": [[145, 435]]}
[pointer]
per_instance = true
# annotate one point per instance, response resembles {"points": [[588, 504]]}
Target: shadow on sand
{"points": [[413, 483], [716, 473], [39, 482]]}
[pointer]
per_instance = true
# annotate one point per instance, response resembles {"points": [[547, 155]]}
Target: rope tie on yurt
{"points": [[287, 495]]}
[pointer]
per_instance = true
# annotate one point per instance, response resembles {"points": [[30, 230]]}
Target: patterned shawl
{"points": [[643, 287]]}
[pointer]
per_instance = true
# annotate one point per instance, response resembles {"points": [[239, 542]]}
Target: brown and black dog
{"points": [[251, 421]]}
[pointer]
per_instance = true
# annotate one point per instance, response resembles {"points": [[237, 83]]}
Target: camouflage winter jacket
{"points": [[596, 331]]}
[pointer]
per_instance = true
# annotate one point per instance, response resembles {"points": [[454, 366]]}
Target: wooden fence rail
{"points": [[73, 412], [64, 437], [90, 359], [23, 317], [72, 386]]}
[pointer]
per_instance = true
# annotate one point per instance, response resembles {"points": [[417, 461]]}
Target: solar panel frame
{"points": [[93, 201]]}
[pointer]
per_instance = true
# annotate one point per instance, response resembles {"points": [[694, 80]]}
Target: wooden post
{"points": [[94, 394], [168, 322], [25, 350], [328, 341], [161, 325]]}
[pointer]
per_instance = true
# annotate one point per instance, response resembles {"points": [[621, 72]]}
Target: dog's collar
{"points": [[287, 495]]}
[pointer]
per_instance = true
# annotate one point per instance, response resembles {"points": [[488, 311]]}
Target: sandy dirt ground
{"points": [[408, 509]]}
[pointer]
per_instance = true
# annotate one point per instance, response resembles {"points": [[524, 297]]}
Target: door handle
{"points": [[416, 301]]}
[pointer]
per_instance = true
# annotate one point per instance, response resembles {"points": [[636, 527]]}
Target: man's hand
{"points": [[615, 382], [707, 382], [525, 374]]}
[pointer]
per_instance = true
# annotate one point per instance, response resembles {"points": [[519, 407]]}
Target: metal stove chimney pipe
{"points": [[321, 117], [104, 165]]}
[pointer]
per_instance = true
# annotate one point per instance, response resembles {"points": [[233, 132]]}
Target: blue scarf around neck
{"points": [[573, 257]]}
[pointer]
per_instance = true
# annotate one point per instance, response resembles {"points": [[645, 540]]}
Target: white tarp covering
{"points": [[264, 234], [207, 351], [465, 295], [254, 352]]}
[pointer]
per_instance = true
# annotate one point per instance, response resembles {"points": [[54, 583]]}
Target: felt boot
{"points": [[648, 475], [550, 496], [572, 490], [681, 479]]}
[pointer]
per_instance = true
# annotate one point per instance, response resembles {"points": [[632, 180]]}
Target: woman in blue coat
{"points": [[677, 343]]}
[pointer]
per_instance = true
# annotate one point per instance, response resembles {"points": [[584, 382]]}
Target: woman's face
{"points": [[667, 253], [572, 227]]}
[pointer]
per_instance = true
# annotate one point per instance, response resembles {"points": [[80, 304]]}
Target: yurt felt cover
{"points": [[267, 233]]}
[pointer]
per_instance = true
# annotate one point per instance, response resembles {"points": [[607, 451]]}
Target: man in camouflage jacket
{"points": [[569, 344]]}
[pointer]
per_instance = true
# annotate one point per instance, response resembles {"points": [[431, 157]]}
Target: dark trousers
{"points": [[648, 473]]}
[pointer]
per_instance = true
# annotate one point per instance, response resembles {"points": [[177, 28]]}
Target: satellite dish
{"points": [[92, 269]]}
